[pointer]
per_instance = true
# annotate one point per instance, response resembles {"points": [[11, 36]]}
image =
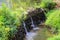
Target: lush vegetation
{"points": [[10, 19], [53, 19]]}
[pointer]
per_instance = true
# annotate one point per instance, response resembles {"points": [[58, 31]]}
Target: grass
{"points": [[53, 18]]}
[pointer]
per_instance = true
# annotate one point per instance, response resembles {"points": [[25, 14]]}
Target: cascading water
{"points": [[33, 25], [24, 25], [32, 22], [30, 25], [30, 35]]}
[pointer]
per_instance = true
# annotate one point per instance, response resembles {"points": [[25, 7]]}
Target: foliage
{"points": [[56, 37], [54, 18], [27, 4], [50, 12], [9, 20], [48, 4], [5, 23]]}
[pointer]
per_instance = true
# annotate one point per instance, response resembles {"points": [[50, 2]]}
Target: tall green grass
{"points": [[53, 19]]}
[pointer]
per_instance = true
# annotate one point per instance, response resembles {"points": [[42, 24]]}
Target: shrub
{"points": [[9, 20], [48, 4], [54, 18], [6, 22]]}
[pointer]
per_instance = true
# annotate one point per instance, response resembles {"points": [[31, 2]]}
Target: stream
{"points": [[33, 31], [30, 35], [36, 33]]}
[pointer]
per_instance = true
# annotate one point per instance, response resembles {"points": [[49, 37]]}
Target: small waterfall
{"points": [[29, 35], [24, 25], [32, 22], [33, 25]]}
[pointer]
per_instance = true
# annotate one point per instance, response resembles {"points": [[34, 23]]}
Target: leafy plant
{"points": [[9, 20], [53, 19]]}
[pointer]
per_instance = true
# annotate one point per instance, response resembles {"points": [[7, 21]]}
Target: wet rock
{"points": [[20, 35], [38, 16]]}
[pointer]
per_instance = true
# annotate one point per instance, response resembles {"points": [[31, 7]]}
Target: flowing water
{"points": [[33, 25], [36, 33], [30, 35], [40, 34], [24, 25]]}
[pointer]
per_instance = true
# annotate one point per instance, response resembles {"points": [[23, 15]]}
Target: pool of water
{"points": [[40, 34]]}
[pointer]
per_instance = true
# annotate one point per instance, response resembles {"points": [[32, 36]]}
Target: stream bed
{"points": [[40, 34]]}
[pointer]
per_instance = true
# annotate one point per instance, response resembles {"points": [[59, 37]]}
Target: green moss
{"points": [[53, 18]]}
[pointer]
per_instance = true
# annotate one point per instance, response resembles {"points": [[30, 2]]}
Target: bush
{"points": [[48, 4], [9, 20], [53, 19], [50, 12]]}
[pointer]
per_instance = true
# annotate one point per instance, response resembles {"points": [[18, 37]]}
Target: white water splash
{"points": [[32, 22], [30, 35], [24, 25]]}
